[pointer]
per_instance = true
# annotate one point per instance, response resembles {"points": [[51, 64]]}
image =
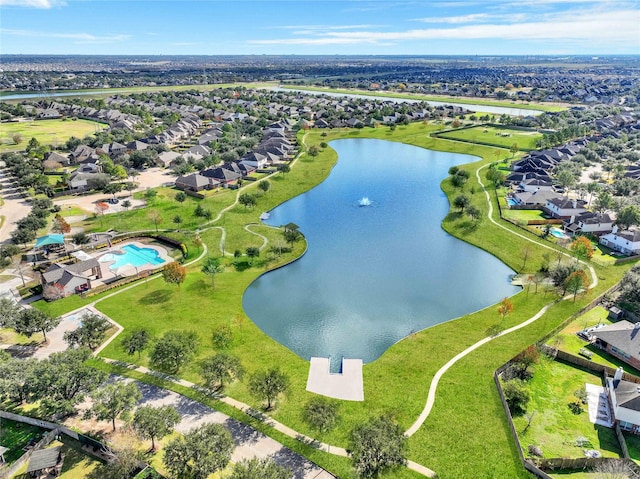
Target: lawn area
{"points": [[555, 427], [15, 436], [47, 132], [466, 400], [503, 137], [522, 216]]}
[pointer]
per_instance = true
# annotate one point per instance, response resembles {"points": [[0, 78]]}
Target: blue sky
{"points": [[215, 27]]}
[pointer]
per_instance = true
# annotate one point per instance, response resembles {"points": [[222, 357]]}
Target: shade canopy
{"points": [[49, 239], [43, 459]]}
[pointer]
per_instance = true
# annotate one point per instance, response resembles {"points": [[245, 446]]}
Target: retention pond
{"points": [[379, 267]]}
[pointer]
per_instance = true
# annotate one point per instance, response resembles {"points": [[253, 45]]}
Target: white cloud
{"points": [[589, 27], [43, 4], [78, 37], [474, 18]]}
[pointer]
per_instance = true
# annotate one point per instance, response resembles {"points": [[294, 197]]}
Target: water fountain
{"points": [[364, 201]]}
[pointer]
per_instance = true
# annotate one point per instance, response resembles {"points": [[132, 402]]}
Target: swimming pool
{"points": [[511, 201], [132, 255], [557, 233]]}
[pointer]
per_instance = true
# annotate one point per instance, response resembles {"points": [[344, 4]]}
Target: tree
{"points": [[474, 213], [155, 217], [603, 202], [268, 385], [257, 468], [461, 201], [124, 463], [566, 179], [516, 396], [137, 341], [180, 196], [525, 252], [9, 312], [561, 272], [80, 239], [264, 185], [377, 446], [211, 267], [126, 204], [284, 168], [31, 321], [628, 216], [253, 252], [321, 413], [496, 176], [291, 236], [314, 150], [612, 469], [247, 200], [220, 369], [150, 195], [174, 273], [60, 225], [222, 336], [514, 149], [576, 282], [90, 333], [582, 247], [177, 219], [505, 307], [113, 400], [173, 350], [155, 422], [199, 453]]}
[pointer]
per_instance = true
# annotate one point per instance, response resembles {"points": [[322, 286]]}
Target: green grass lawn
{"points": [[15, 436], [441, 98], [467, 406], [503, 137], [555, 427], [47, 132], [522, 216]]}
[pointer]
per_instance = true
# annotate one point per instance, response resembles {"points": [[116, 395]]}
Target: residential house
{"points": [[113, 149], [255, 160], [537, 199], [622, 340], [626, 241], [624, 397], [225, 176], [137, 145], [534, 184], [589, 222], [79, 179], [73, 278], [565, 208], [167, 159], [198, 151], [196, 182], [58, 158]]}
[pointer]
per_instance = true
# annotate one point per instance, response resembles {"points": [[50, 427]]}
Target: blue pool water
{"points": [[374, 274], [511, 202], [132, 255], [557, 233]]}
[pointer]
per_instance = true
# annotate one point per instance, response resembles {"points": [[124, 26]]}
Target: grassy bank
{"points": [[47, 132]]}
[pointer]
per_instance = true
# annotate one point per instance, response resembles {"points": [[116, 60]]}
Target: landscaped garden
{"points": [[16, 436], [47, 132], [467, 405]]}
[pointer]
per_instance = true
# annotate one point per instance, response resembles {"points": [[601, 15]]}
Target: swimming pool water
{"points": [[132, 255]]}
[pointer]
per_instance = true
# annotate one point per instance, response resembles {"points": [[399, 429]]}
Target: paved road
{"points": [[249, 443]]}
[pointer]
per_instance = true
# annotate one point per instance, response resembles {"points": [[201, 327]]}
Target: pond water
{"points": [[373, 274]]}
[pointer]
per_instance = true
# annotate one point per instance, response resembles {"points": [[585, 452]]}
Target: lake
{"points": [[373, 275]]}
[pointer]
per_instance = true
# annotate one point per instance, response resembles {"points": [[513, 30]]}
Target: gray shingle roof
{"points": [[622, 335], [628, 395]]}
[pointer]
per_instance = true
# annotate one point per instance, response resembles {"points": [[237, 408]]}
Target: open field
{"points": [[495, 136], [466, 399], [441, 98], [47, 132]]}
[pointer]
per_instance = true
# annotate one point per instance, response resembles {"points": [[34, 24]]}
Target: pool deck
{"points": [[128, 269], [347, 385]]}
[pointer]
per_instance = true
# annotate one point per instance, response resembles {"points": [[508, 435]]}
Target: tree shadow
{"points": [[297, 465], [158, 296], [242, 265], [243, 435], [201, 285], [469, 226]]}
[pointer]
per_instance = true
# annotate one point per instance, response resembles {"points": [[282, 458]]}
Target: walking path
{"points": [[431, 396]]}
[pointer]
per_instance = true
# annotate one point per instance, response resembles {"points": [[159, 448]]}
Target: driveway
{"points": [[15, 207]]}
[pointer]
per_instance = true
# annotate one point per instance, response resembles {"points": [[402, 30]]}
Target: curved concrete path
{"points": [[431, 397]]}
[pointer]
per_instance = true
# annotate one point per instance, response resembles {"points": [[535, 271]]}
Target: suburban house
{"points": [[79, 178], [72, 278], [626, 242], [534, 184], [113, 149], [167, 158], [565, 208], [534, 198], [256, 160], [58, 158], [223, 175], [589, 222], [196, 182], [625, 401], [622, 340], [83, 154]]}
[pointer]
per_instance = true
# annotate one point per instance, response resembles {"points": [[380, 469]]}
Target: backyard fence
{"points": [[90, 445]]}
